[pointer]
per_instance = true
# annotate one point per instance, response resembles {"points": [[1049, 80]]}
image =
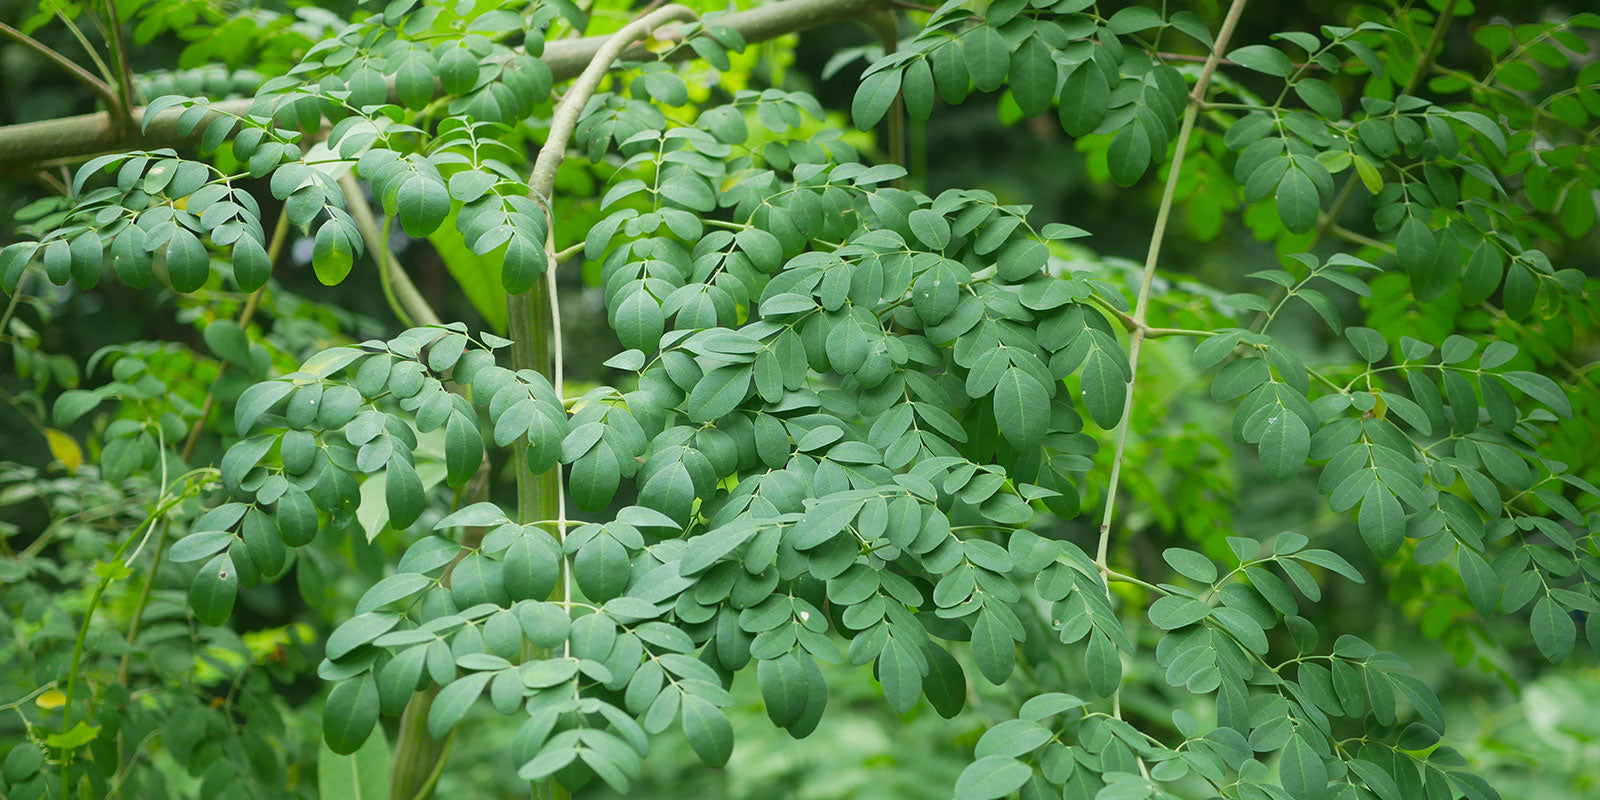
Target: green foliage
{"points": [[854, 422]]}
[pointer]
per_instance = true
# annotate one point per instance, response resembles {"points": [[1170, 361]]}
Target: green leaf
{"points": [[1021, 408], [522, 264], [1302, 772], [212, 593], [930, 227], [1297, 201], [1284, 445], [783, 689], [1263, 58], [452, 702], [993, 649], [188, 263], [1033, 76], [423, 203], [350, 714], [991, 777], [900, 677], [227, 340], [251, 268], [362, 775], [402, 490], [708, 730], [72, 404], [333, 255], [1173, 612], [1382, 521], [916, 89], [1084, 99], [1190, 564], [1542, 389], [987, 56], [874, 96], [1553, 630], [718, 392], [1102, 665], [1105, 391], [1129, 155]]}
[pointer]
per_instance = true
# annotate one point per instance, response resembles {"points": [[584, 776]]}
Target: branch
{"points": [[87, 134], [531, 347], [565, 119], [100, 88], [1152, 257], [389, 271]]}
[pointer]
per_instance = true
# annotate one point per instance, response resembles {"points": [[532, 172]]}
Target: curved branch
{"points": [[87, 134], [391, 275], [565, 120]]}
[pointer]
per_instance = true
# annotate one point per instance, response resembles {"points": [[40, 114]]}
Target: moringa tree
{"points": [[850, 420]]}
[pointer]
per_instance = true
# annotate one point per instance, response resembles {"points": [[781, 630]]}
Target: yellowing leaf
{"points": [[64, 448], [51, 699]]}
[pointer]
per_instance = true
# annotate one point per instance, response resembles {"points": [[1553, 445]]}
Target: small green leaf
{"points": [[708, 730], [212, 593], [333, 255], [1021, 408], [1553, 630], [350, 714], [987, 56], [1032, 76], [1129, 155], [1297, 201], [991, 777], [1263, 58], [874, 96]]}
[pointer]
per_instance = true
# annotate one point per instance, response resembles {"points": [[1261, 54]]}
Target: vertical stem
{"points": [[1152, 257], [118, 48], [397, 286]]}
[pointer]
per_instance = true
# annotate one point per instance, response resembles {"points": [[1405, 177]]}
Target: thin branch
{"points": [[1152, 257], [1365, 241], [397, 284], [100, 87], [118, 47]]}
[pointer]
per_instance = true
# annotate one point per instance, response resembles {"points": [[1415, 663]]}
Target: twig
{"points": [[100, 87], [1365, 241], [1152, 257], [397, 284], [118, 48]]}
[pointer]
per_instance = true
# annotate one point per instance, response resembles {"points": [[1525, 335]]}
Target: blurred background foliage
{"points": [[1529, 727]]}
